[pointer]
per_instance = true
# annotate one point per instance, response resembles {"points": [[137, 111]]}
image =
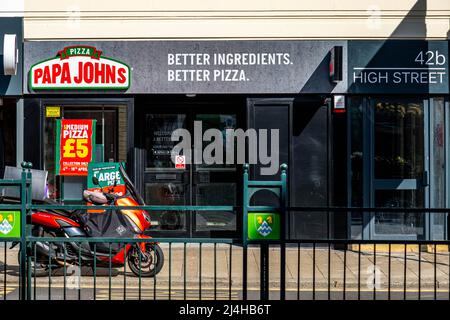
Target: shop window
{"points": [[309, 169], [158, 141], [399, 165], [196, 184], [356, 163], [399, 140], [110, 146], [7, 134], [438, 167], [398, 159]]}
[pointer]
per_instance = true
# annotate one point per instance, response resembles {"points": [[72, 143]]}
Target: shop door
{"points": [[196, 184], [396, 167]]}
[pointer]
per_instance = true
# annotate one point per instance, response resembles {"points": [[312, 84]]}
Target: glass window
{"points": [[220, 122], [111, 145], [216, 194], [309, 169], [49, 157], [395, 223], [399, 154], [437, 179], [394, 164], [356, 163], [167, 194], [211, 186], [399, 140], [158, 141], [7, 134]]}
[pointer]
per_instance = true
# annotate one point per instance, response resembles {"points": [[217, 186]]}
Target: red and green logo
{"points": [[81, 68], [75, 146]]}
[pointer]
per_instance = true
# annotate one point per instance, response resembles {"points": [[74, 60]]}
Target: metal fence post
{"points": [[283, 231], [23, 222], [264, 245], [264, 274], [28, 228], [245, 204]]}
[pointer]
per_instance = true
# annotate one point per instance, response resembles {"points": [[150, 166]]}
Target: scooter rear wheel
{"points": [[146, 264]]}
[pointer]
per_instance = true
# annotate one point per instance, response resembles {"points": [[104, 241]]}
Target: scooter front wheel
{"points": [[146, 264]]}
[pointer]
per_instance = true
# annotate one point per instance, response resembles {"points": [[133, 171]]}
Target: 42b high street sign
{"points": [[81, 68]]}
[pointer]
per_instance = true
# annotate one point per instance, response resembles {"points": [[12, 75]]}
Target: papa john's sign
{"points": [[80, 68]]}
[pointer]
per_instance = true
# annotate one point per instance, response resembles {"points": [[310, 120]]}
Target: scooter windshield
{"points": [[130, 186]]}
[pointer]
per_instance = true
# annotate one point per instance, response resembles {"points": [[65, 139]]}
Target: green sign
{"points": [[263, 226], [107, 174], [9, 224]]}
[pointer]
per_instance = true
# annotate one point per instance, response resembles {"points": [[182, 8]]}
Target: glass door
{"points": [[398, 158], [399, 171], [214, 184], [198, 184], [163, 184]]}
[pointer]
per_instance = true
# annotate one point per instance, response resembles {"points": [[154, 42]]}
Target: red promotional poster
{"points": [[75, 140]]}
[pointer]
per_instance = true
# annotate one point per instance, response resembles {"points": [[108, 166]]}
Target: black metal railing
{"points": [[213, 269], [232, 269]]}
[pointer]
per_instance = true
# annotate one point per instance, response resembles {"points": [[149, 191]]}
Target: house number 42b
{"points": [[430, 58]]}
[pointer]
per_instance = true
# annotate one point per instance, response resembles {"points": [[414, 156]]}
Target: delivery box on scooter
{"points": [[38, 184]]}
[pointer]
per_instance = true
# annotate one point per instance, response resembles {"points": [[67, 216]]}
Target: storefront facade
{"points": [[387, 147], [398, 137], [176, 84]]}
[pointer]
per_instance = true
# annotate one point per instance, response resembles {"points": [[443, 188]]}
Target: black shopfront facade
{"points": [[284, 85]]}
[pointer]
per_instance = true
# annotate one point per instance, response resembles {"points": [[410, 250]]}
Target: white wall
{"points": [[11, 8], [236, 19]]}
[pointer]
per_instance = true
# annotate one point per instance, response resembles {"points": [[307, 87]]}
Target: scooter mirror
{"points": [[95, 181]]}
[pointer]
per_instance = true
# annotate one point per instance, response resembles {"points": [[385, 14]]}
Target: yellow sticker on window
{"points": [[53, 111]]}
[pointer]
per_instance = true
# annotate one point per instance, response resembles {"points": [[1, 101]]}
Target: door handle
{"points": [[425, 179]]}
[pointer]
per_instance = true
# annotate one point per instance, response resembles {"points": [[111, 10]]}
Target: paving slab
{"points": [[330, 268]]}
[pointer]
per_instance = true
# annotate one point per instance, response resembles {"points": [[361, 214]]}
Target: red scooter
{"points": [[145, 259]]}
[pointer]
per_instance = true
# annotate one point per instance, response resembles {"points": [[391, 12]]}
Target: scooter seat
{"points": [[94, 197]]}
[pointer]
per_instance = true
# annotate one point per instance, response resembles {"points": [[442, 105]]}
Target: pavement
{"points": [[217, 272]]}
